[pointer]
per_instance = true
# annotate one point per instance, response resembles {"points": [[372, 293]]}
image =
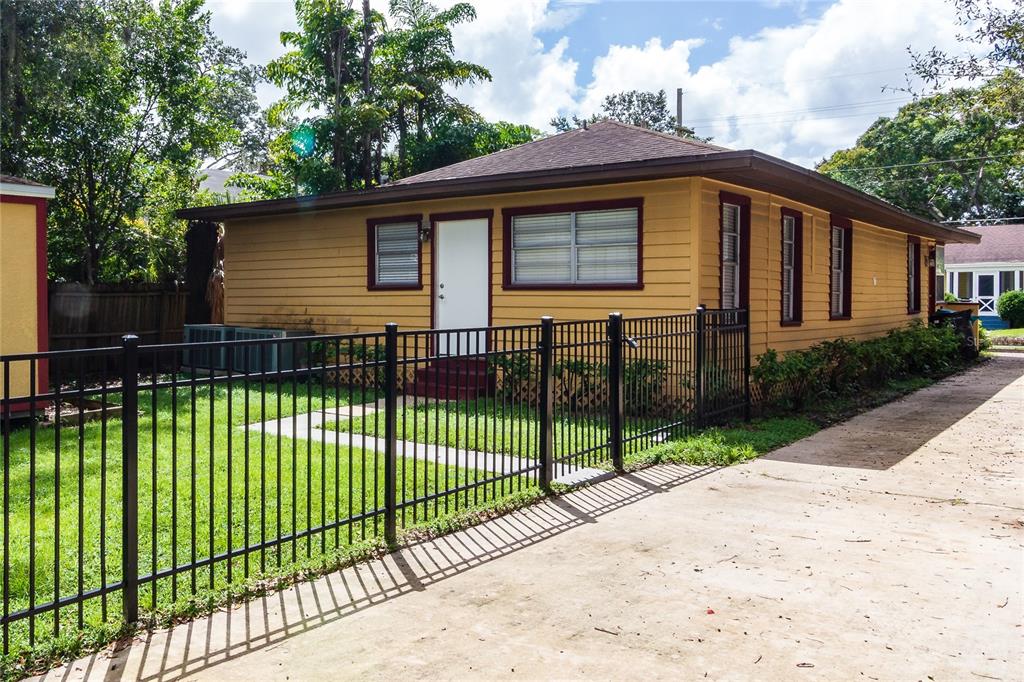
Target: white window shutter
{"points": [[398, 250]]}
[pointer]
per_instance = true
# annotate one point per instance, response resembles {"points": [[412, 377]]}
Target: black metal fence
{"points": [[134, 487]]}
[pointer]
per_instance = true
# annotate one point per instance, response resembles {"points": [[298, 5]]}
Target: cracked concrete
{"points": [[887, 547]]}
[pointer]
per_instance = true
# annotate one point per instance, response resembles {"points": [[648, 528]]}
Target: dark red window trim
{"points": [[914, 297], [436, 218], [798, 266], [506, 243], [744, 203], [371, 254], [847, 226]]}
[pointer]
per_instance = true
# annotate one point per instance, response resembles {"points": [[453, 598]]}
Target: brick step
{"points": [[453, 378]]}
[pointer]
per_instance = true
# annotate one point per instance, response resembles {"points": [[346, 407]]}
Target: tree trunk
{"points": [[367, 53], [403, 131]]}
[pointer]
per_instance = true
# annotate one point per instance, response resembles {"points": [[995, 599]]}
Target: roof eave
{"points": [[503, 184], [746, 167]]}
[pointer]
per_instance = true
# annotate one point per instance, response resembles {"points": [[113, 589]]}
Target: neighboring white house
{"points": [[981, 272]]}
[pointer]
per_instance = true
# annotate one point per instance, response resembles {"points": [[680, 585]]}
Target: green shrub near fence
{"points": [[839, 367], [1010, 307]]}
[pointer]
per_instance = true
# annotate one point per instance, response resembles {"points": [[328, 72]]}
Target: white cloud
{"points": [[530, 83], [757, 95], [753, 96], [651, 66]]}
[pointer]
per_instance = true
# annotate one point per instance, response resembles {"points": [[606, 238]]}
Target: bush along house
{"points": [[605, 218]]}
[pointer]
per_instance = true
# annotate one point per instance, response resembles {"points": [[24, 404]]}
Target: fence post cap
{"points": [[391, 325], [616, 314], [701, 307], [129, 340], [547, 318]]}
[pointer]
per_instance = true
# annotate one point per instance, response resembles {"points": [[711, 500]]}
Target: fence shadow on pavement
{"points": [[269, 621], [883, 437]]}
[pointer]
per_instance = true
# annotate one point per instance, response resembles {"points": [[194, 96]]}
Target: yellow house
{"points": [[599, 219], [23, 320]]}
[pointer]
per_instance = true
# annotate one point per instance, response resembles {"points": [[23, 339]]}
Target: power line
{"points": [[740, 123], [931, 163], [985, 220], [732, 88], [832, 107]]}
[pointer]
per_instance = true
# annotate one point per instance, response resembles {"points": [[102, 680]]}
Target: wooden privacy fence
{"points": [[94, 316]]}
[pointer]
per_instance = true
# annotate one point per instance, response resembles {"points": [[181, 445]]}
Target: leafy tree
{"points": [[635, 107], [994, 43], [362, 98], [455, 141], [134, 96], [954, 155], [419, 62]]}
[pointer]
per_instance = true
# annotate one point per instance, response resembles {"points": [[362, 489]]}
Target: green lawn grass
{"points": [[188, 473], [1017, 332], [723, 446], [488, 425]]}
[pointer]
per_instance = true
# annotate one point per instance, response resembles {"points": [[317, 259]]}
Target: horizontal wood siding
{"points": [[879, 273], [309, 271]]}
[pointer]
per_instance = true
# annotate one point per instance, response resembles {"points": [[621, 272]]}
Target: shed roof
{"points": [[999, 244], [12, 184], [604, 153]]}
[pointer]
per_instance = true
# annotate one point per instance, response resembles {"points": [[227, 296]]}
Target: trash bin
{"points": [[962, 324]]}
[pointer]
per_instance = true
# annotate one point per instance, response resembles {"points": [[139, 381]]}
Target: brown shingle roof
{"points": [[14, 180], [605, 142], [999, 244]]}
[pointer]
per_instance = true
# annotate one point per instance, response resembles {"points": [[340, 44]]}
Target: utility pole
{"points": [[679, 112]]}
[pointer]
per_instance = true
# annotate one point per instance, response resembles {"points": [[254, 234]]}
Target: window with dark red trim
{"points": [[840, 268], [394, 259], [792, 265], [586, 245], [734, 250], [913, 275]]}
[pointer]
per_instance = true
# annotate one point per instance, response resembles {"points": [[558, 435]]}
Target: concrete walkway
{"points": [[888, 547], [307, 426]]}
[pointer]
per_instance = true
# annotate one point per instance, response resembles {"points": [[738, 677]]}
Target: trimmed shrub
{"points": [[842, 366], [1010, 307]]}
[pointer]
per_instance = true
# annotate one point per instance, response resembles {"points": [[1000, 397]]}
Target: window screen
{"points": [[788, 267], [398, 252], [730, 255], [1006, 280], [584, 247], [838, 272], [913, 260]]}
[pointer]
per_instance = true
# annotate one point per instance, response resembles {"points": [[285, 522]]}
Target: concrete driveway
{"points": [[889, 547]]}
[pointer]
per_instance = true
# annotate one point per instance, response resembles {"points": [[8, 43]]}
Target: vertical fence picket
{"points": [[547, 400], [615, 393], [390, 432], [130, 478]]}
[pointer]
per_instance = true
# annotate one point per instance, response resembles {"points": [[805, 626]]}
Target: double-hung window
{"points": [[913, 276], [575, 248], [792, 266], [940, 273], [732, 216], [841, 261], [393, 252]]}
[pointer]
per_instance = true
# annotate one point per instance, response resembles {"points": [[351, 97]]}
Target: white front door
{"points": [[460, 284]]}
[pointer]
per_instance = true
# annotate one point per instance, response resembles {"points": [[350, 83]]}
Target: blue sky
{"points": [[797, 79], [600, 24]]}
